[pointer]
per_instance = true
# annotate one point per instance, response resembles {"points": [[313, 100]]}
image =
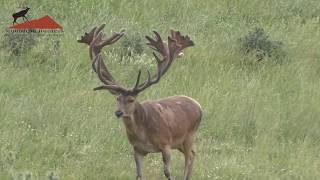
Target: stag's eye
{"points": [[118, 98]]}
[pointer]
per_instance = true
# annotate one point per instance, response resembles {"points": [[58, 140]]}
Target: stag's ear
{"points": [[106, 88]]}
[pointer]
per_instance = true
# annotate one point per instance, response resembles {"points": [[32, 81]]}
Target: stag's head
{"points": [[126, 97], [126, 106]]}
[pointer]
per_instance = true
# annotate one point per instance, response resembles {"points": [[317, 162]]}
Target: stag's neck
{"points": [[134, 123]]}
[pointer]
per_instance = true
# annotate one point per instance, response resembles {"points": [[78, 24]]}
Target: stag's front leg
{"points": [[138, 157], [166, 155]]}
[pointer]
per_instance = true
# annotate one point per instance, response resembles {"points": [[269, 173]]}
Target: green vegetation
{"points": [[259, 43], [262, 119]]}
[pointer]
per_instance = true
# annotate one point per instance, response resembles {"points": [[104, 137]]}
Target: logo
{"points": [[19, 14], [45, 24]]}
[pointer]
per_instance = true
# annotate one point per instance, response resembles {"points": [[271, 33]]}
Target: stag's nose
{"points": [[118, 113]]}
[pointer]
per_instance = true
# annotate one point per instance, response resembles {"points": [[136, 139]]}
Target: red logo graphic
{"points": [[44, 23]]}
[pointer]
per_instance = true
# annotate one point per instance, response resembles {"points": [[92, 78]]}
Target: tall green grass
{"points": [[261, 120]]}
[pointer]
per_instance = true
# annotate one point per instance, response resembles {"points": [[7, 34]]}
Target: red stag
{"points": [[151, 126]]}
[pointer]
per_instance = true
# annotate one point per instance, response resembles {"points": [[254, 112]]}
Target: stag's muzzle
{"points": [[118, 113]]}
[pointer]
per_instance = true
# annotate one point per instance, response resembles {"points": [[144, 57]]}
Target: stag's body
{"points": [[151, 126], [171, 121], [19, 14]]}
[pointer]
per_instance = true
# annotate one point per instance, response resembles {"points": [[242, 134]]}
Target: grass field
{"points": [[261, 119]]}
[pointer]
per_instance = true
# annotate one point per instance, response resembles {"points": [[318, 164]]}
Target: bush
{"points": [[132, 44], [258, 43]]}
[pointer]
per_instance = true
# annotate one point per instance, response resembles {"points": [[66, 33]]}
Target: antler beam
{"points": [[169, 51], [176, 43]]}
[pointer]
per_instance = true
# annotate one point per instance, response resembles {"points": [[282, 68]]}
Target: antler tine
{"points": [[138, 79], [99, 29], [182, 41], [113, 87], [147, 83], [104, 42], [176, 43], [114, 38], [93, 49], [87, 37], [96, 40], [157, 44], [98, 43], [99, 72]]}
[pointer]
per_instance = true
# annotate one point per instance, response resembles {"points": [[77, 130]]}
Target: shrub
{"points": [[259, 43], [132, 44]]}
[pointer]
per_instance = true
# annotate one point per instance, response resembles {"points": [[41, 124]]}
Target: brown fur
{"points": [[168, 121], [152, 126], [161, 125]]}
